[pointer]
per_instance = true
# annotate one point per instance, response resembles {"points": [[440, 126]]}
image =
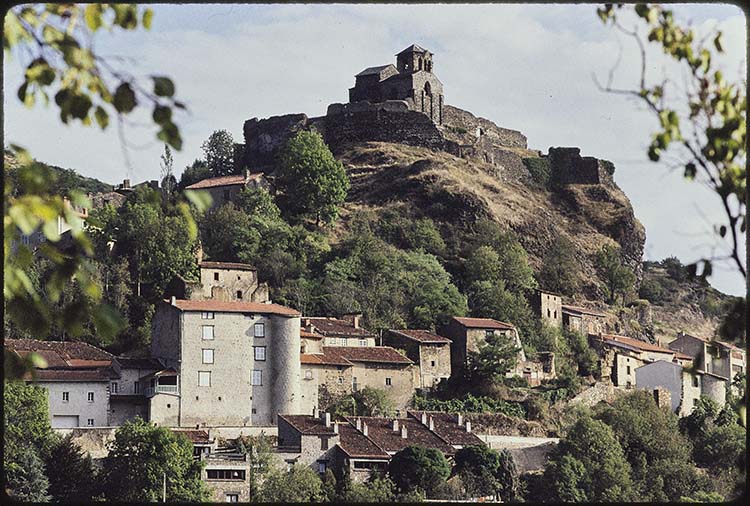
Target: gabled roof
{"points": [[580, 310], [139, 363], [720, 343], [378, 354], [422, 336], [218, 306], [169, 371], [447, 427], [194, 435], [355, 444], [641, 345], [413, 49], [380, 431], [329, 326], [60, 353], [310, 335], [235, 266], [308, 424], [374, 70], [213, 182], [85, 375], [323, 359], [483, 323]]}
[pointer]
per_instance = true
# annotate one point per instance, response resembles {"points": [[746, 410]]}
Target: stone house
{"points": [[412, 80], [620, 357], [431, 352], [583, 320], [307, 440], [235, 363], [467, 334], [127, 394], [227, 476], [225, 281], [225, 188], [78, 216], [344, 331], [548, 306], [716, 357], [685, 385]]}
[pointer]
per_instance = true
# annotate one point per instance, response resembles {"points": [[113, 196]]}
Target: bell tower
{"points": [[414, 59]]}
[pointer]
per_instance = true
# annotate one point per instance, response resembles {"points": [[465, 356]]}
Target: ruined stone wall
{"points": [[263, 138], [458, 118], [567, 166], [440, 355]]}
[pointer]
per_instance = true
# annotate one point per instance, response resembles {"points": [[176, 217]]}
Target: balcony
{"points": [[161, 389]]}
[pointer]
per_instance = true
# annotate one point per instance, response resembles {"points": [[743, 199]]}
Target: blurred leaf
{"points": [[124, 99], [163, 86], [201, 199], [108, 321]]}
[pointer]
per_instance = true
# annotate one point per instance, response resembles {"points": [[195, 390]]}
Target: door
{"points": [[64, 421]]}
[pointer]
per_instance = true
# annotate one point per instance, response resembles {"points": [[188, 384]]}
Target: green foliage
{"points": [[457, 130], [618, 278], [469, 404], [721, 446], [484, 471], [375, 490], [300, 484], [496, 355], [25, 480], [416, 468], [559, 272], [489, 299], [218, 153], [313, 182], [494, 255], [404, 232], [539, 168], [56, 44], [198, 171], [141, 455], [589, 465], [71, 473], [368, 401], [651, 290]]}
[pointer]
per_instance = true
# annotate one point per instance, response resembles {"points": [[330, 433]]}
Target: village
{"points": [[253, 383]]}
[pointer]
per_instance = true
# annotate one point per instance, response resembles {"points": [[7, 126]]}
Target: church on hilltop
{"points": [[410, 80]]}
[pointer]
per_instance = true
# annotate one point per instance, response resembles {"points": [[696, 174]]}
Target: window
{"points": [[549, 313], [113, 387], [136, 387], [323, 443], [342, 341], [239, 294], [90, 422], [341, 380], [695, 381], [260, 330], [321, 467], [257, 378], [204, 378], [363, 342], [216, 276], [628, 370], [233, 498], [66, 396], [226, 474], [308, 374], [432, 363], [260, 352], [388, 382], [555, 314], [91, 396], [208, 356], [207, 315], [207, 331], [254, 411]]}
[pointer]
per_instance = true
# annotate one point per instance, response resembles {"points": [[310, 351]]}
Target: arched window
{"points": [[427, 89], [419, 63]]}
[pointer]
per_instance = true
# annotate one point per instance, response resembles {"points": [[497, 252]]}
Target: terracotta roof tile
{"points": [[380, 431], [233, 307], [94, 375], [355, 444], [65, 350], [642, 345], [422, 336], [323, 359], [226, 265], [310, 335], [382, 354], [308, 424], [222, 181], [583, 310], [483, 323], [446, 426], [327, 325], [195, 436]]}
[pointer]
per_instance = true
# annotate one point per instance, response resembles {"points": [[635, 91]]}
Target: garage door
{"points": [[64, 421]]}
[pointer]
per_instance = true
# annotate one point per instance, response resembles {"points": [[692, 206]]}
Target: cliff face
{"points": [[464, 170]]}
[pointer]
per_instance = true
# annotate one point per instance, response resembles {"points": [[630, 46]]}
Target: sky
{"points": [[525, 67]]}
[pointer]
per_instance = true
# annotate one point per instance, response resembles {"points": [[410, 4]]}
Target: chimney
{"points": [[459, 419], [364, 428], [335, 428], [404, 434], [432, 424], [316, 412], [328, 419], [395, 425], [358, 424], [174, 300], [424, 418], [468, 426], [352, 318], [126, 183]]}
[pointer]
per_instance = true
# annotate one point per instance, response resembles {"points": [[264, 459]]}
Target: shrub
{"points": [[608, 166], [539, 168]]}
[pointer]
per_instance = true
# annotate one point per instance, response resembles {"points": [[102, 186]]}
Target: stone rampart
{"points": [[478, 127], [263, 138], [567, 166]]}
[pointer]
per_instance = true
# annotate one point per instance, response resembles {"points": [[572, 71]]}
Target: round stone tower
{"points": [[285, 377]]}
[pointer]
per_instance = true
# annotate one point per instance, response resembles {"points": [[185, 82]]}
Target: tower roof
{"points": [[413, 49]]}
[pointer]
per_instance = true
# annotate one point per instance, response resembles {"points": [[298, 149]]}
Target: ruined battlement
{"points": [[567, 166]]}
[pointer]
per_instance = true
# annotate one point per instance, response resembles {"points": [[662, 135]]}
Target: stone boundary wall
{"points": [[567, 166], [388, 105], [458, 118]]}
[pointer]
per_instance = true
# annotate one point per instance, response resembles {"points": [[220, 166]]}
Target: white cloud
{"points": [[525, 67]]}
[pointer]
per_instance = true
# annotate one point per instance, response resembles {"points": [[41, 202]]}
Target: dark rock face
{"points": [[263, 138]]}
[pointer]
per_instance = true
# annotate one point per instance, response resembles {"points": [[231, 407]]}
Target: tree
{"points": [[589, 465], [416, 468], [141, 456], [618, 278], [484, 471], [377, 489], [489, 299], [299, 484], [198, 171], [559, 272], [218, 152], [71, 473], [313, 182], [496, 355], [368, 401], [168, 181], [25, 480]]}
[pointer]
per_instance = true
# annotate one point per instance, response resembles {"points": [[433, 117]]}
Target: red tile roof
{"points": [[380, 431], [195, 436], [381, 354], [310, 335], [222, 181], [327, 325], [642, 345], [483, 323], [92, 375], [422, 336], [226, 265], [581, 310], [233, 307], [446, 426], [323, 359], [60, 352], [355, 444], [308, 424]]}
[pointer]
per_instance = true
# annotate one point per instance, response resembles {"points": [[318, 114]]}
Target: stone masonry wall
{"points": [[458, 118]]}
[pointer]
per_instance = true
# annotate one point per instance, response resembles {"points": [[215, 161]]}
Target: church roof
{"points": [[413, 49], [374, 70]]}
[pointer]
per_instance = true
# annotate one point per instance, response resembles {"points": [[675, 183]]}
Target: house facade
{"points": [[548, 307], [236, 363], [431, 352], [715, 357], [583, 320], [225, 188], [344, 331]]}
